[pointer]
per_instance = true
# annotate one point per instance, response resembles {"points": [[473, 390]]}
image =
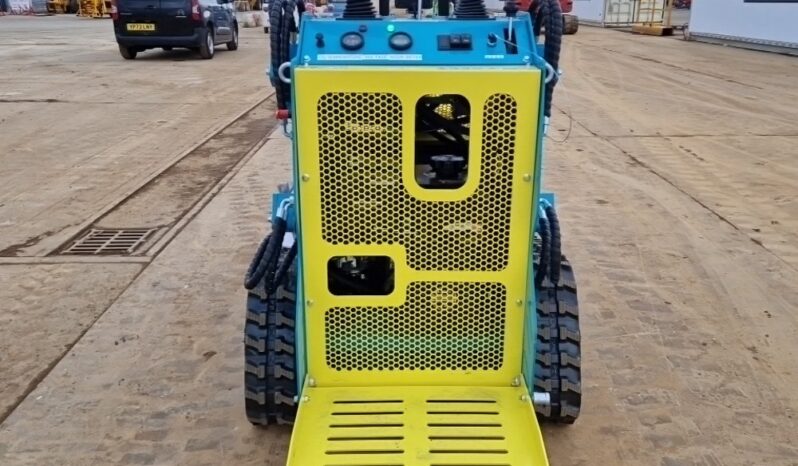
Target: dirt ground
{"points": [[677, 178]]}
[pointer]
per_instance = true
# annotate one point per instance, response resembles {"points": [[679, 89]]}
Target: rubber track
{"points": [[558, 359], [270, 371]]}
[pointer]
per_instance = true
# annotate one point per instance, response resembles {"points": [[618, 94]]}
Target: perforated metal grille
{"points": [[443, 325], [365, 202]]}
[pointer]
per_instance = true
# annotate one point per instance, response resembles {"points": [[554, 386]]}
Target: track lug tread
{"points": [[559, 361], [269, 374]]}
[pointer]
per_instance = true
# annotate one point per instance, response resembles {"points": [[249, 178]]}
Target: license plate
{"points": [[140, 27]]}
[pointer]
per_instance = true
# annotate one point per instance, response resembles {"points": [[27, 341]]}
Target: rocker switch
{"points": [[455, 42]]}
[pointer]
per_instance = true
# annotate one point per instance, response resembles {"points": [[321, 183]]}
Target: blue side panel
{"points": [[531, 319]]}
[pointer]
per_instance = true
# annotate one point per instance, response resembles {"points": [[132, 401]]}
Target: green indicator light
{"points": [[391, 28]]}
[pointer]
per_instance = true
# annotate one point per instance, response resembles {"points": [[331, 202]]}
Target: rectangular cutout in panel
{"points": [[443, 129], [360, 275]]}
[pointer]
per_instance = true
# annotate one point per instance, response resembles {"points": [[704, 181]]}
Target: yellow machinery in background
{"points": [[94, 8], [57, 6], [654, 18]]}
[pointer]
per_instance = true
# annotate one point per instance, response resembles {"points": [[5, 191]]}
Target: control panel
{"points": [[429, 42], [454, 42]]}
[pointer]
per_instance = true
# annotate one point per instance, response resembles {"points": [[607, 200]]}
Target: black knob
{"points": [[319, 40], [492, 39]]}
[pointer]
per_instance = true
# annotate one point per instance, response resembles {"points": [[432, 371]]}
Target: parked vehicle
{"points": [[195, 24]]}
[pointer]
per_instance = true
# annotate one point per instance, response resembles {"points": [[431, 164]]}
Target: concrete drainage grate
{"points": [[109, 242]]}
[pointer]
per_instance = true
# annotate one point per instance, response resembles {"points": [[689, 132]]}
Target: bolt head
{"points": [[305, 177], [527, 177]]}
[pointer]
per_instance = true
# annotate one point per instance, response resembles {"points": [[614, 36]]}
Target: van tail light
{"points": [[195, 10], [114, 11]]}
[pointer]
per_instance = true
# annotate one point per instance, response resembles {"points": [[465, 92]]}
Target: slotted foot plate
{"points": [[409, 426]]}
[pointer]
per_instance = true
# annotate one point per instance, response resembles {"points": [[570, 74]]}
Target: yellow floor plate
{"points": [[408, 426]]}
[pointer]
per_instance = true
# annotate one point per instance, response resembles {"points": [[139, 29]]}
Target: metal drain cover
{"points": [[110, 242]]}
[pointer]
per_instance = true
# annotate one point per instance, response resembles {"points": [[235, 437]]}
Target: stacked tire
{"points": [[570, 24]]}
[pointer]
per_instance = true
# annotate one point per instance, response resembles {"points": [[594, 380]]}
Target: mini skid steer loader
{"points": [[412, 305]]}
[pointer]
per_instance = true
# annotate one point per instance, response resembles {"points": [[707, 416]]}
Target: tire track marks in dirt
{"points": [[786, 253], [739, 171]]}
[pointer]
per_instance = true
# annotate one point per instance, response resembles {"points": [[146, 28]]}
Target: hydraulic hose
{"points": [[556, 245], [551, 14], [545, 250], [282, 270], [265, 261], [548, 15], [253, 276], [281, 25]]}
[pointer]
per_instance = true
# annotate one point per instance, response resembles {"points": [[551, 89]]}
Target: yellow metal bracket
{"points": [[416, 426]]}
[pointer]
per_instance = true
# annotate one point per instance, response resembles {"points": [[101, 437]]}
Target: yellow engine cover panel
{"points": [[455, 316], [417, 426]]}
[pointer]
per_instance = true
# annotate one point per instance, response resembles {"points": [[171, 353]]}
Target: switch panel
{"points": [[432, 42], [455, 42]]}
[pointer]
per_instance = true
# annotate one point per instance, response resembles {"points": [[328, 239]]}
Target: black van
{"points": [[196, 24]]}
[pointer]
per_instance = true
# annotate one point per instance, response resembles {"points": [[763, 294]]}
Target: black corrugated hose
{"points": [[265, 260], [359, 9], [548, 16], [470, 9], [274, 280], [281, 25], [545, 251], [555, 255], [552, 20]]}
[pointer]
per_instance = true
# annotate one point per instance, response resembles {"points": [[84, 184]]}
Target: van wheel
{"points": [[206, 48], [233, 44], [129, 53]]}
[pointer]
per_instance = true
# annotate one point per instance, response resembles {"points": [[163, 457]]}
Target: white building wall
{"points": [[768, 22], [589, 10]]}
